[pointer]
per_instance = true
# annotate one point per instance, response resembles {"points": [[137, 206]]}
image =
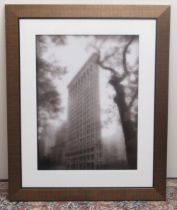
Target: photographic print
{"points": [[87, 101]]}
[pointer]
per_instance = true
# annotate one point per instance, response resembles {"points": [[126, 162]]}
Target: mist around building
{"points": [[80, 123]]}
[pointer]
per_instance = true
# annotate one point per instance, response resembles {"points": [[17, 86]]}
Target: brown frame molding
{"points": [[162, 15]]}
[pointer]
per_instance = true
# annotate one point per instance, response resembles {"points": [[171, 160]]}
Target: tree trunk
{"points": [[129, 127]]}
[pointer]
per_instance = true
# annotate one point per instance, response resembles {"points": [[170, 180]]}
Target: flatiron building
{"points": [[84, 148]]}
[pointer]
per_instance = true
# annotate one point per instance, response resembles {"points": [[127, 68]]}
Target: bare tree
{"points": [[124, 79]]}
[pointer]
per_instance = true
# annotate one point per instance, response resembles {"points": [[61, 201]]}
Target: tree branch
{"points": [[124, 57], [110, 55], [108, 68], [133, 98]]}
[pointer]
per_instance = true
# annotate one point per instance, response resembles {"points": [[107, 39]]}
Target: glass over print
{"points": [[87, 98]]}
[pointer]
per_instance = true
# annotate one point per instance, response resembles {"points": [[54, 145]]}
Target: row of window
{"points": [[86, 74], [87, 105], [84, 127], [83, 158], [84, 118], [87, 88], [82, 151], [81, 166], [75, 147]]}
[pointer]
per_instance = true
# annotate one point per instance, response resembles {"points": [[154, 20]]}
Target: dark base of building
{"points": [[87, 167]]}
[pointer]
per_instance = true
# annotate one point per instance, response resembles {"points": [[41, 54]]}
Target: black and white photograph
{"points": [[87, 101]]}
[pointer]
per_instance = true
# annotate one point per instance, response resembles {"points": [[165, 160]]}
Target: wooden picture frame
{"points": [[14, 13]]}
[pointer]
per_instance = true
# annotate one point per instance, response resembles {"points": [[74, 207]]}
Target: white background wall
{"points": [[172, 123]]}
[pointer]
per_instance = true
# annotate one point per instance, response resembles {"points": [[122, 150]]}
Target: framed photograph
{"points": [[87, 90]]}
